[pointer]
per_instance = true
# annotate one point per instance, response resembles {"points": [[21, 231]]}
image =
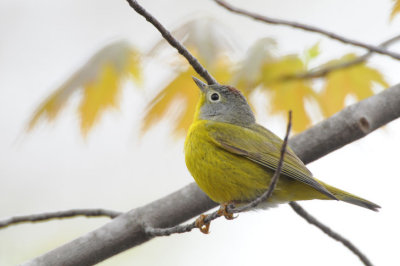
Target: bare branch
{"points": [[174, 42], [309, 218], [128, 229], [305, 27], [323, 71], [58, 215]]}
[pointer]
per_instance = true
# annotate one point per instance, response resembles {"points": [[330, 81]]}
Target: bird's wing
{"points": [[261, 146]]}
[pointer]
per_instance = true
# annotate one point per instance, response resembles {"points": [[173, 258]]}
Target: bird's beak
{"points": [[202, 86]]}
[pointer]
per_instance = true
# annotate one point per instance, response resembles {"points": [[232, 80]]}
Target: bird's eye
{"points": [[214, 97]]}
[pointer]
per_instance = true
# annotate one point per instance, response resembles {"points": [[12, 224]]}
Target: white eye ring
{"points": [[214, 96]]}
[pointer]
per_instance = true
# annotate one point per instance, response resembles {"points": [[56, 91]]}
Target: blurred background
{"points": [[117, 165]]}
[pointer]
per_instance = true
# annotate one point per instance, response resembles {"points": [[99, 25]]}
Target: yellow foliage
{"points": [[356, 80], [288, 94], [133, 66], [98, 95], [99, 79], [49, 108], [395, 10], [181, 88]]}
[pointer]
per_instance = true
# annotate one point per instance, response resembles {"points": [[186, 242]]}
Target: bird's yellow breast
{"points": [[223, 176], [227, 177]]}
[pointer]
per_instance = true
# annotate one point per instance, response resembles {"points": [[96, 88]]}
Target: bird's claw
{"points": [[203, 226], [223, 211]]}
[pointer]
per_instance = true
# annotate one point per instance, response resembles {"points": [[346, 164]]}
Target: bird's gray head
{"points": [[224, 104]]}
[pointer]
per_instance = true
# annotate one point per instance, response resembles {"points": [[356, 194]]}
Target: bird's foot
{"points": [[223, 211], [203, 226]]}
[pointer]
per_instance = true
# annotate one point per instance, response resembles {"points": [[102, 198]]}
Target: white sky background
{"points": [[53, 168]]}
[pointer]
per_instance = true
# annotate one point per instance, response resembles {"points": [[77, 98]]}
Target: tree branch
{"points": [[309, 218], [323, 71], [305, 27], [129, 229], [174, 42], [58, 215]]}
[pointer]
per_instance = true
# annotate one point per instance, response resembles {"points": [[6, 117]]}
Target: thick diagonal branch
{"points": [[128, 230]]}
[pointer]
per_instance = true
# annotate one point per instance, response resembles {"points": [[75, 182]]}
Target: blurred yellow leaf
{"points": [[134, 66], [288, 94], [395, 9], [181, 89], [356, 80], [50, 107], [97, 96], [99, 79]]}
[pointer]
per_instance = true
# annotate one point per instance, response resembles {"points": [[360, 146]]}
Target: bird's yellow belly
{"points": [[226, 177]]}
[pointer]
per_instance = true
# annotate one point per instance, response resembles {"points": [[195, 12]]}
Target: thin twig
{"points": [[210, 217], [323, 71], [58, 215], [307, 28], [264, 197], [174, 42], [309, 218], [150, 231]]}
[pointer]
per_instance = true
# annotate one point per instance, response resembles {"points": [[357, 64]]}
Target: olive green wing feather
{"points": [[260, 145]]}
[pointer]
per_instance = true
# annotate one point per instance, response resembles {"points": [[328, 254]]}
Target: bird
{"points": [[232, 158]]}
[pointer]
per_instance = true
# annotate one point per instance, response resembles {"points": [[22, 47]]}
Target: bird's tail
{"points": [[350, 198]]}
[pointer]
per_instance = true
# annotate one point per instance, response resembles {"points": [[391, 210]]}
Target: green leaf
{"points": [[312, 52]]}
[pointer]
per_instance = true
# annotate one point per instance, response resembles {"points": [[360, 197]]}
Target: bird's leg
{"points": [[223, 211], [203, 226]]}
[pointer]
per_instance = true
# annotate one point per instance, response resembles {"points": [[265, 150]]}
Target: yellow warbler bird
{"points": [[232, 158]]}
